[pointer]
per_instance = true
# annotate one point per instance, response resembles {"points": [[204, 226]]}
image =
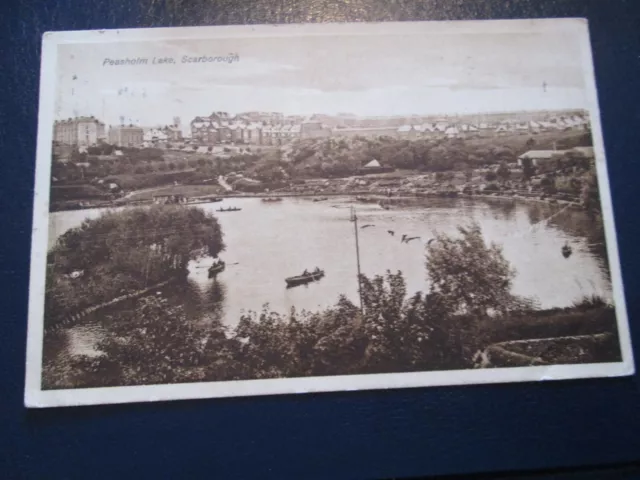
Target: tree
{"points": [[548, 184], [528, 170], [576, 159], [403, 159], [503, 154], [468, 175], [469, 276], [503, 172], [124, 251], [530, 143], [77, 157], [398, 331], [590, 195], [491, 177], [161, 345]]}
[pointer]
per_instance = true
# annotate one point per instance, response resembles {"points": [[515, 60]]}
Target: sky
{"points": [[361, 74]]}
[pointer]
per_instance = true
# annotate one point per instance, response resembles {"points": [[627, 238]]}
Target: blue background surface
{"points": [[339, 435]]}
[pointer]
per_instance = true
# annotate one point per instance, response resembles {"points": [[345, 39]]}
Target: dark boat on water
{"points": [[271, 199], [230, 209], [216, 268], [305, 278], [321, 199]]}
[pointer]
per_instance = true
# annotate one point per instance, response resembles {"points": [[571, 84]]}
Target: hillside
{"points": [[339, 157]]}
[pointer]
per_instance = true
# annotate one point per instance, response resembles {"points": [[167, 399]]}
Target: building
{"points": [[126, 135], [235, 131], [452, 132], [154, 135], [252, 134], [374, 166], [407, 131], [265, 117], [79, 131], [267, 135], [365, 131], [314, 129], [294, 132], [173, 132], [206, 130], [588, 152], [216, 128], [538, 157]]}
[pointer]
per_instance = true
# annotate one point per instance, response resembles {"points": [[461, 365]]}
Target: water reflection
{"points": [[504, 210], [203, 303]]}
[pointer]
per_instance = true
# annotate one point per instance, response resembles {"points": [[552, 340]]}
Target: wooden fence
{"points": [[83, 313]]}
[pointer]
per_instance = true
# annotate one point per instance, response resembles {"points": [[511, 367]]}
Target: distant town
{"points": [[273, 128], [544, 155]]}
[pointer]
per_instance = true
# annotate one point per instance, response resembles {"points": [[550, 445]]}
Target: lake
{"points": [[267, 242]]}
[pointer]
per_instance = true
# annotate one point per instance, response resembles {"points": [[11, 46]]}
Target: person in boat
{"points": [[317, 270], [305, 272]]}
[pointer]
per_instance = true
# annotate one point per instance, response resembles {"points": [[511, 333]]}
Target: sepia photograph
{"points": [[251, 210]]}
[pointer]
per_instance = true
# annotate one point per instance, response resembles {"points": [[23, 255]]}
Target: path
{"points": [[223, 183]]}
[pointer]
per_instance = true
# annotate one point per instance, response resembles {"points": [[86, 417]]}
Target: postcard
{"points": [[277, 209]]}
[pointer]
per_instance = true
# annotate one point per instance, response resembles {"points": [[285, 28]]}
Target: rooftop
{"points": [[540, 153]]}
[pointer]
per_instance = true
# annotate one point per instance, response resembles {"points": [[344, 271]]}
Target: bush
{"points": [[76, 192], [590, 194]]}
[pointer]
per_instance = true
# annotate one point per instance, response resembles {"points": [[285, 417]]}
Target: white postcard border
{"points": [[36, 397]]}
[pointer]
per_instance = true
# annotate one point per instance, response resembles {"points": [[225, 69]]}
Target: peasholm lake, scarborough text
{"points": [[116, 62]]}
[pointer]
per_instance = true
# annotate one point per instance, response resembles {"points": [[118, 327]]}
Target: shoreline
{"points": [[372, 197]]}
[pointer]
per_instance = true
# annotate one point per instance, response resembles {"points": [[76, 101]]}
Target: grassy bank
{"points": [[190, 191]]}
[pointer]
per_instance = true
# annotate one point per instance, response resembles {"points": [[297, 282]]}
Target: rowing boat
{"points": [[304, 278], [216, 268]]}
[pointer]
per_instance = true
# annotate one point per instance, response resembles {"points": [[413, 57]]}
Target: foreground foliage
{"points": [[468, 307]]}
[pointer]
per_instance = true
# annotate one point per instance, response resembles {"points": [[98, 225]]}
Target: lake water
{"points": [[267, 242]]}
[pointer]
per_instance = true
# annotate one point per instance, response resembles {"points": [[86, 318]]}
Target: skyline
{"points": [[557, 111], [390, 75]]}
